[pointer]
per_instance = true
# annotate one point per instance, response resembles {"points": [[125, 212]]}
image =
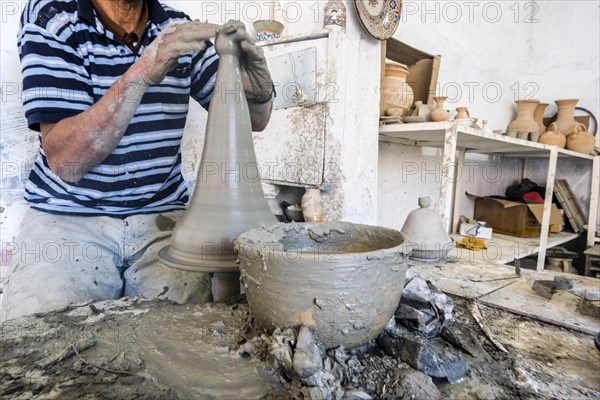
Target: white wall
{"points": [[555, 57], [491, 56]]}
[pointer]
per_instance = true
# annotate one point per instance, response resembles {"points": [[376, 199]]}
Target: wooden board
{"points": [[474, 281], [569, 203]]}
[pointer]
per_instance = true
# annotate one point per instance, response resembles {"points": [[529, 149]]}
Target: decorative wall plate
{"points": [[379, 17]]}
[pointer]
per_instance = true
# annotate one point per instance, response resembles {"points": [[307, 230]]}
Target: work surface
{"points": [[497, 286], [158, 350]]}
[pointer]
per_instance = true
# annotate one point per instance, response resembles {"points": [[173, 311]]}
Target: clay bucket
{"points": [[343, 280]]}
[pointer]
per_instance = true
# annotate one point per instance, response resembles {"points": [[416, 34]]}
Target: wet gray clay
{"points": [[228, 198], [343, 280], [424, 230]]}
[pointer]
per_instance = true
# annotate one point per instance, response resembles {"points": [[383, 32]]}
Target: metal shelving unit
{"points": [[450, 137]]}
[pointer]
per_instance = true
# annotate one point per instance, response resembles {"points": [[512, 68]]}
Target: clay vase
{"points": [[395, 91], [525, 121], [462, 113], [565, 120], [581, 140], [228, 199], [439, 114], [335, 15], [553, 137], [312, 205], [538, 115]]}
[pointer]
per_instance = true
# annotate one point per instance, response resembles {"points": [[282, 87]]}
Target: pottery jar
{"points": [[394, 89], [335, 15], [462, 113], [312, 205], [553, 137], [439, 114], [565, 120], [538, 115], [581, 140], [524, 121]]}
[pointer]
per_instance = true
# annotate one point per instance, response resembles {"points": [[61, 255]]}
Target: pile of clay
{"points": [[399, 363]]}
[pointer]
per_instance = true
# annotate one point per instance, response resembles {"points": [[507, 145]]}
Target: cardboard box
{"points": [[513, 218], [423, 68], [472, 231]]}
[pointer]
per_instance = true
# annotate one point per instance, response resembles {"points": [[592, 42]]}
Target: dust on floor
{"points": [[159, 350]]}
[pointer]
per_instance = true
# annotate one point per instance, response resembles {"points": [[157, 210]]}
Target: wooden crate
{"points": [[423, 68]]}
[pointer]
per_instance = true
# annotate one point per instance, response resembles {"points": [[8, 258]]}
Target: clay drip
{"points": [[228, 198]]}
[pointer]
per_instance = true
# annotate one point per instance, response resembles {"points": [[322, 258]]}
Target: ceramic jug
{"points": [[335, 15], [439, 114], [462, 113], [581, 140], [525, 121], [553, 137], [538, 115], [312, 205], [395, 92], [565, 121]]}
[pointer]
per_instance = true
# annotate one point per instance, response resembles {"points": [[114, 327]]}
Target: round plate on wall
{"points": [[379, 17]]}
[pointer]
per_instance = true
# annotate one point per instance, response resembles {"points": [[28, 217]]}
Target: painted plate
{"points": [[379, 17]]}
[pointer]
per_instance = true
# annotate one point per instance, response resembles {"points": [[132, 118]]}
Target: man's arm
{"points": [[74, 145], [256, 79]]}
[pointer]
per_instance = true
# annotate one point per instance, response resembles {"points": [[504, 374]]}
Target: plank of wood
{"points": [[460, 279], [561, 310]]}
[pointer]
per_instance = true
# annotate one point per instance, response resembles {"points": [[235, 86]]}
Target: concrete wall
{"points": [[494, 53]]}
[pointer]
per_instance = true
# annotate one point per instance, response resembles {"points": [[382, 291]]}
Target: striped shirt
{"points": [[69, 60]]}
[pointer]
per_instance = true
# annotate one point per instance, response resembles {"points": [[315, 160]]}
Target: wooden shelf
{"points": [[432, 134], [503, 249]]}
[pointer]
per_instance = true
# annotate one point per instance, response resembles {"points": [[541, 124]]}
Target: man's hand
{"points": [[175, 41], [256, 76]]}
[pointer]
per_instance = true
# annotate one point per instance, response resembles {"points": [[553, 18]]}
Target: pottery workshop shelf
{"points": [[432, 134], [503, 249], [451, 138]]}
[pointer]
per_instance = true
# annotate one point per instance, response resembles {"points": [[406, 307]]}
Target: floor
{"points": [[157, 350]]}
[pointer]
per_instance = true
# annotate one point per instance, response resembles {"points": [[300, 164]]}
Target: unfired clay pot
{"points": [[554, 137], [462, 113], [538, 115], [581, 140], [565, 120], [340, 279], [525, 121], [426, 233], [221, 209], [439, 114], [394, 90]]}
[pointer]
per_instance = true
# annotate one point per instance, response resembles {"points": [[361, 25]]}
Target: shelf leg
{"points": [[594, 198], [457, 190], [547, 209], [448, 179]]}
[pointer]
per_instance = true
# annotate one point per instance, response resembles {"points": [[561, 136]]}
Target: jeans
{"points": [[60, 260]]}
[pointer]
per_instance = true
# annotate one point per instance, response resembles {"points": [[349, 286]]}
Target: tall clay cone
{"points": [[228, 198]]}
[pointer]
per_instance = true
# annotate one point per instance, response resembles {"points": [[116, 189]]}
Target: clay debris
{"points": [[423, 307], [307, 371]]}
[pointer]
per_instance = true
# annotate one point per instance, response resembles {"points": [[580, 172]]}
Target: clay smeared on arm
{"points": [[75, 145]]}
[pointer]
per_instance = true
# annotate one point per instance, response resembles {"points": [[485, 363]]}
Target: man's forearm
{"points": [[75, 145]]}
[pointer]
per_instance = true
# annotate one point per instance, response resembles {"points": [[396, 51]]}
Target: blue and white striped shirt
{"points": [[69, 61]]}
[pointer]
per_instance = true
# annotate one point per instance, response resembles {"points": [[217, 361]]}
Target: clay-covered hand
{"points": [[256, 76], [175, 41]]}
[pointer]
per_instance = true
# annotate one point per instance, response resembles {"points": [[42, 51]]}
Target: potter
{"points": [[109, 128]]}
